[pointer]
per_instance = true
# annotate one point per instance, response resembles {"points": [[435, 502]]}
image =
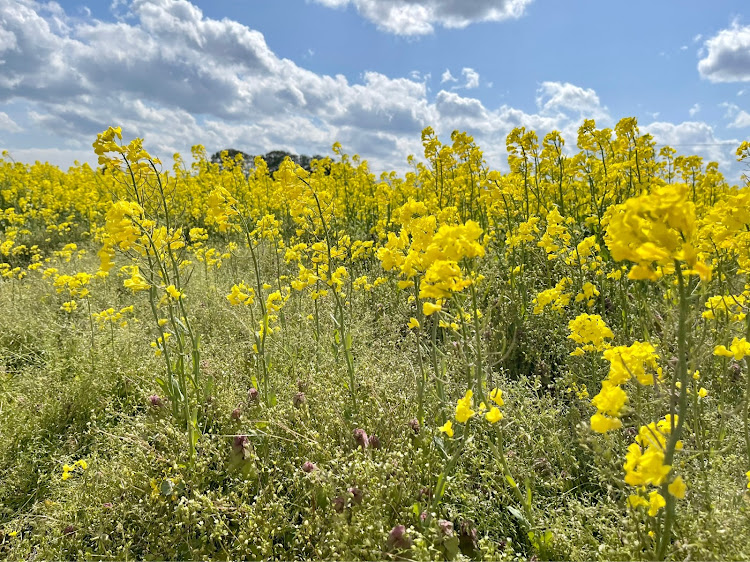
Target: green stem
{"points": [[676, 429]]}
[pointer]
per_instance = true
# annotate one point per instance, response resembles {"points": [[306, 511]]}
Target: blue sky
{"points": [[302, 74]]}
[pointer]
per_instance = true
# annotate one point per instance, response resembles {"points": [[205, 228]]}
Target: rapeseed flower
{"points": [[463, 407]]}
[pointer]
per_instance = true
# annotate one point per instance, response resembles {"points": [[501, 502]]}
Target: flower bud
{"points": [[374, 442], [308, 467], [398, 538], [446, 528], [155, 401], [252, 395], [414, 426], [239, 442], [236, 413], [357, 495], [360, 438], [338, 504], [299, 399]]}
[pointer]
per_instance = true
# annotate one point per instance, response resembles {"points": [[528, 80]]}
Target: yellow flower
{"points": [[173, 292], [241, 294], [655, 502], [634, 360], [658, 227], [447, 428], [602, 424], [463, 408], [494, 415], [429, 308], [610, 399], [739, 349], [647, 467], [413, 323], [591, 331], [635, 501], [496, 395], [136, 281], [677, 488]]}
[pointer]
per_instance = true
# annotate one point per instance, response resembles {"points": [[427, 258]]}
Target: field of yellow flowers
{"points": [[551, 362]]}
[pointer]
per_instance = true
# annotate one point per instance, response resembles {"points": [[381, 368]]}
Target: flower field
{"points": [[549, 362]]}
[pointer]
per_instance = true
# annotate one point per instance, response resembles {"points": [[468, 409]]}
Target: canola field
{"points": [[215, 361]]}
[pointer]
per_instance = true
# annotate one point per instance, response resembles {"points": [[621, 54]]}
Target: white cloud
{"points": [[740, 118], [726, 57], [60, 157], [694, 109], [7, 124], [471, 76], [555, 97], [173, 71], [419, 17], [447, 77], [695, 137], [176, 78]]}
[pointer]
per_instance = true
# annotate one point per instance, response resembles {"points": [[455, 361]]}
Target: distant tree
{"points": [[273, 158], [276, 157], [231, 153]]}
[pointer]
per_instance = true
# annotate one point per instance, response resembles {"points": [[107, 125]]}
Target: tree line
{"points": [[273, 158]]}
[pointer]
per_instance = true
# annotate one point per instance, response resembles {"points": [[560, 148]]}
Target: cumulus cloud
{"points": [[419, 17], [726, 56], [176, 77], [694, 137], [555, 97], [739, 118], [694, 109], [173, 74], [471, 76], [447, 77]]}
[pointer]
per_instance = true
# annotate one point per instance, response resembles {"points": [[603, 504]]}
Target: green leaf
{"points": [[166, 487], [528, 495], [440, 444], [515, 512], [451, 547]]}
